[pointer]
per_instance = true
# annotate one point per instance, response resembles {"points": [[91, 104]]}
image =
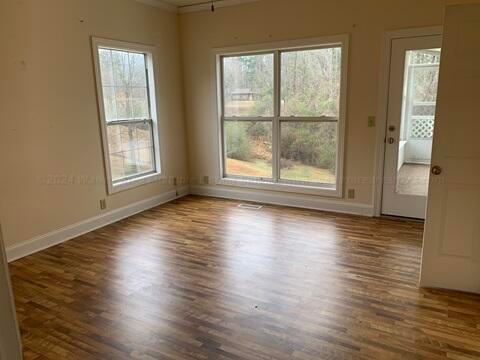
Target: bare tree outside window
{"points": [[127, 113], [307, 115]]}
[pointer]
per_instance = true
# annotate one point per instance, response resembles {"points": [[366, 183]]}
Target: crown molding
{"points": [[161, 5], [207, 5], [194, 7]]}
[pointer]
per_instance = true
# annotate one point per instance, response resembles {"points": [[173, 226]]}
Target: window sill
{"points": [[133, 183], [284, 187]]}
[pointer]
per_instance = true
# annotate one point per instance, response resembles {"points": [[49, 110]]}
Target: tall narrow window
{"points": [[282, 116], [127, 103]]}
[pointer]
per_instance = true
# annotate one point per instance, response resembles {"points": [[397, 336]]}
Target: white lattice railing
{"points": [[422, 127]]}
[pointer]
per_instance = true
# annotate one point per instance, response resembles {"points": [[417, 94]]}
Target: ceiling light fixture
{"points": [[206, 5], [196, 4]]}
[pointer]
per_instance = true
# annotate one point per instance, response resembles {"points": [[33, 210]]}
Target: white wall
{"points": [[49, 122], [418, 151], [401, 154], [276, 20]]}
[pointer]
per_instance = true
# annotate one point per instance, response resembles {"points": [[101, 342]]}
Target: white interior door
{"points": [[451, 253], [414, 70]]}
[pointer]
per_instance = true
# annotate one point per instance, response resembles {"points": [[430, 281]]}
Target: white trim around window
{"points": [[277, 48], [150, 119]]}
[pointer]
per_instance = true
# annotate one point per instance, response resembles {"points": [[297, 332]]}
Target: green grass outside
{"points": [[297, 172]]}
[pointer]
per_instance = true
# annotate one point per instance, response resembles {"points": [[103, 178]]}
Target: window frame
{"points": [[133, 181], [276, 183]]}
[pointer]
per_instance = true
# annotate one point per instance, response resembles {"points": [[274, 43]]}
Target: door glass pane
{"points": [[248, 85], [309, 152], [418, 120], [248, 148], [310, 82]]}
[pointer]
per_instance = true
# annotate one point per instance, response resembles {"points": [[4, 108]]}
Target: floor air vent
{"points": [[250, 206]]}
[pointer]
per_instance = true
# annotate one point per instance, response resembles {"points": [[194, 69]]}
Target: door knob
{"points": [[391, 140], [436, 170]]}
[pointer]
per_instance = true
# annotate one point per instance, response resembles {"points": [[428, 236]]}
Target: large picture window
{"points": [[282, 116], [127, 104]]}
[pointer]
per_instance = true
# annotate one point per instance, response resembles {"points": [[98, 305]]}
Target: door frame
{"points": [[10, 340], [382, 105]]}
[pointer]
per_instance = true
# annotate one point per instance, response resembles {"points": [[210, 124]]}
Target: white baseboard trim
{"points": [[69, 232], [268, 197]]}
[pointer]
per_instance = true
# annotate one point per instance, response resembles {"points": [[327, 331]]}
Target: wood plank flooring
{"points": [[199, 278]]}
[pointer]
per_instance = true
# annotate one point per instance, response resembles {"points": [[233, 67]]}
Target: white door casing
{"points": [[10, 346]]}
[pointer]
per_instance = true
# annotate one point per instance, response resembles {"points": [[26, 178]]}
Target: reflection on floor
{"points": [[413, 179], [200, 278]]}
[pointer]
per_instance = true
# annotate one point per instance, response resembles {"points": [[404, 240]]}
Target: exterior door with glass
{"points": [[414, 69]]}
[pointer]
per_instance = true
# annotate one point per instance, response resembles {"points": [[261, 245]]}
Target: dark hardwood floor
{"points": [[199, 278]]}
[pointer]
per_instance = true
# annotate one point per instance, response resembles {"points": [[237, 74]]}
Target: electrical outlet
{"points": [[103, 204], [351, 193], [206, 180], [371, 121]]}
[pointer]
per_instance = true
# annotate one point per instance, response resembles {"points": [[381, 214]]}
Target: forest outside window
{"points": [[126, 98], [282, 115]]}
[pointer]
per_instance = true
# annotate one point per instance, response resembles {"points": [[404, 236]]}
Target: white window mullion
{"points": [[260, 118], [149, 101], [309, 119], [276, 119], [224, 147], [222, 119]]}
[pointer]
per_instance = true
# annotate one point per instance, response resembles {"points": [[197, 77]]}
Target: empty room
{"points": [[239, 179]]}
